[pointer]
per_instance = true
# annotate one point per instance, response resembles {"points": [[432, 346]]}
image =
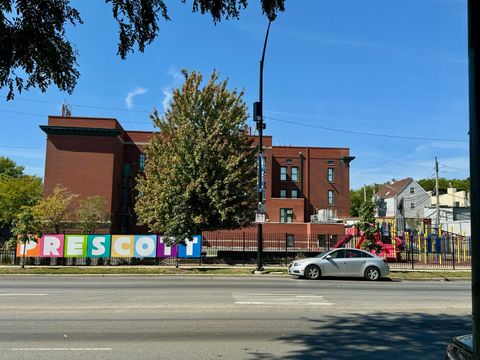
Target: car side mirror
{"points": [[328, 257]]}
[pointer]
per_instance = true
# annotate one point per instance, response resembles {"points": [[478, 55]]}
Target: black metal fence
{"points": [[448, 251]]}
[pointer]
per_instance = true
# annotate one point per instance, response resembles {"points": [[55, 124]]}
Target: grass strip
{"points": [[208, 270]]}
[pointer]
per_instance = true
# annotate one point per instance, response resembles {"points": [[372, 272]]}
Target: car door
{"points": [[334, 264], [355, 262]]}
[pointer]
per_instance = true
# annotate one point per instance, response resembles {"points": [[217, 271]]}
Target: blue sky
{"points": [[379, 66]]}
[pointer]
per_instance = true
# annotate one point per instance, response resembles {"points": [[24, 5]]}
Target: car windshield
{"points": [[466, 341], [322, 254]]}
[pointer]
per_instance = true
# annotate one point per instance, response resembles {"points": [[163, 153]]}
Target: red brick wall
{"points": [[298, 229], [99, 123], [274, 206], [312, 183], [84, 164]]}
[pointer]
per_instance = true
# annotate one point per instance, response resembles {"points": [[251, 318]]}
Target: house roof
{"points": [[392, 189]]}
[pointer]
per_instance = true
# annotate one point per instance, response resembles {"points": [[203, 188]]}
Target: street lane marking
{"points": [[279, 299], [61, 349], [280, 303], [21, 294]]}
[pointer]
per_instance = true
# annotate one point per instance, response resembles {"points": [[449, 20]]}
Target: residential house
{"points": [[401, 200]]}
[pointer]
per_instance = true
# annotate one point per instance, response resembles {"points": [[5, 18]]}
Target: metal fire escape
{"points": [[127, 196]]}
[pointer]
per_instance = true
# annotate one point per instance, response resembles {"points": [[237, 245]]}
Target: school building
{"points": [[307, 188]]}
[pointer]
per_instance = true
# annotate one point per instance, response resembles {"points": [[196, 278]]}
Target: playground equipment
{"points": [[389, 251]]}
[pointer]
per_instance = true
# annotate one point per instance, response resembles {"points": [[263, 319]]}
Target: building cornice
{"points": [[85, 131]]}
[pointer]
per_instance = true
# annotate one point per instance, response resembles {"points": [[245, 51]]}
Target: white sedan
{"points": [[341, 262]]}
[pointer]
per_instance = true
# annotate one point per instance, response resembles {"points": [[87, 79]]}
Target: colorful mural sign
{"points": [[103, 246]]}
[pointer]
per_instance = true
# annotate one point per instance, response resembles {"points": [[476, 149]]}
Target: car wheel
{"points": [[372, 273], [312, 272]]}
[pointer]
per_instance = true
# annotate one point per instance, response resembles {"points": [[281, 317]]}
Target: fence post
{"points": [[453, 252], [286, 249], [411, 250], [243, 252]]}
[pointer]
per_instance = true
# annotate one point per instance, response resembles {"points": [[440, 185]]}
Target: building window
{"points": [[331, 162], [286, 215], [283, 194], [141, 162], [330, 174], [294, 194], [412, 206], [331, 199], [283, 173], [412, 190], [294, 173]]}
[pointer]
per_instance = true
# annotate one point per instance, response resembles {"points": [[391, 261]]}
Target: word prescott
{"points": [[103, 246]]}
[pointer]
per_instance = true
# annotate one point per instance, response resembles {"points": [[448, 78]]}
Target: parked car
{"points": [[341, 262], [460, 348]]}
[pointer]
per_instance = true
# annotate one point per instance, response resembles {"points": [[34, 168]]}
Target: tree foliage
{"points": [[91, 213], [33, 42], [54, 210], [35, 52], [26, 228], [16, 190], [459, 184], [368, 226], [199, 172], [357, 197], [8, 167]]}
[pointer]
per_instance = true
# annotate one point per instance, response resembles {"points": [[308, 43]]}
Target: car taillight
{"points": [[385, 261]]}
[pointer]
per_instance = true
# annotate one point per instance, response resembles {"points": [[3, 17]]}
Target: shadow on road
{"points": [[376, 336]]}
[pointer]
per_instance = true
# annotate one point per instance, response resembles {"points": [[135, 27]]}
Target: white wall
{"points": [[419, 198]]}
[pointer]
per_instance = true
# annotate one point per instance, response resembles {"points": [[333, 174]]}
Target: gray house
{"points": [[402, 199]]}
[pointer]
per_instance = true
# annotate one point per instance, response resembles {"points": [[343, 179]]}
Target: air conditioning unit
{"points": [[289, 211]]}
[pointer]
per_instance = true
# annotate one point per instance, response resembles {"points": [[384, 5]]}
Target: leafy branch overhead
{"points": [[35, 52], [200, 168]]}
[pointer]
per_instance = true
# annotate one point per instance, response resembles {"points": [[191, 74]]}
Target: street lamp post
{"points": [[258, 118], [474, 87]]}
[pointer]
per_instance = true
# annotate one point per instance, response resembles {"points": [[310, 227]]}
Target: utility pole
{"points": [[364, 193], [437, 195], [258, 118], [474, 100]]}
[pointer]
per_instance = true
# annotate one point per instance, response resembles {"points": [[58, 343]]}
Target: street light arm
{"points": [[262, 61]]}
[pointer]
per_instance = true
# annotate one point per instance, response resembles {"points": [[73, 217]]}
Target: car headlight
{"points": [[297, 264]]}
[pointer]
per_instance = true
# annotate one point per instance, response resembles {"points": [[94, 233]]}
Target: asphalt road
{"points": [[176, 317]]}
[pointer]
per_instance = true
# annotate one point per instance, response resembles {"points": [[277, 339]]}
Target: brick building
{"points": [[307, 188]]}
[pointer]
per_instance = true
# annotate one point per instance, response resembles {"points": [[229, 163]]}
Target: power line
{"points": [[22, 113], [363, 132], [46, 115], [357, 132], [453, 168], [85, 106], [19, 147]]}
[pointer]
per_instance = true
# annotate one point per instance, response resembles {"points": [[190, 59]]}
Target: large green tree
{"points": [[16, 190], [35, 52], [200, 169]]}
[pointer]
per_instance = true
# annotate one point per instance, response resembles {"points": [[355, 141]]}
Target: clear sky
{"points": [[390, 67]]}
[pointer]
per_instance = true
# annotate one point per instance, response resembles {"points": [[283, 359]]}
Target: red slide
{"points": [[349, 236], [342, 241]]}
